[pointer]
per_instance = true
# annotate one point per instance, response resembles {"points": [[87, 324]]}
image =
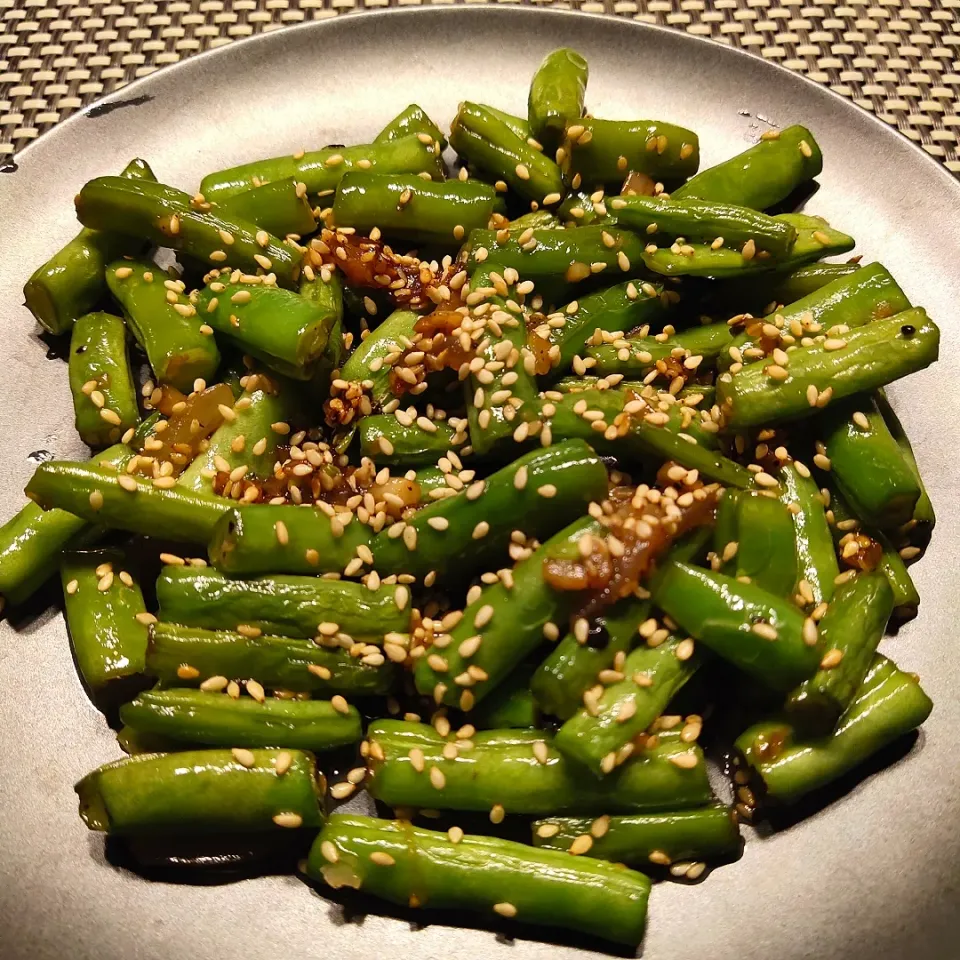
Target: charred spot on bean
{"points": [[908, 330]]}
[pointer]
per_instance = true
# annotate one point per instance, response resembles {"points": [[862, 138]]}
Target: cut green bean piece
{"points": [[538, 493], [31, 540], [387, 440], [186, 656], [864, 359], [104, 611], [571, 254], [265, 538], [519, 125], [923, 512], [71, 282], [218, 720], [755, 630], [888, 704], [495, 878], [523, 772], [596, 734], [640, 839], [202, 791], [850, 300], [411, 208], [582, 209], [104, 398], [278, 207], [817, 567], [762, 175], [815, 239], [285, 605], [164, 323], [602, 152], [556, 95], [288, 332], [724, 224], [95, 493], [867, 463], [637, 356], [492, 400], [490, 147], [168, 217], [320, 170], [850, 632], [510, 707]]}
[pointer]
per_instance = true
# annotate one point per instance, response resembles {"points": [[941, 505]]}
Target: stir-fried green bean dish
{"points": [[504, 467]]}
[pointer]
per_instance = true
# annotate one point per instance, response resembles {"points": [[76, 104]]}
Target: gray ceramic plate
{"points": [[874, 875]]}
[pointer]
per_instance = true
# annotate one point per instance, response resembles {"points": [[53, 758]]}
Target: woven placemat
{"points": [[899, 59]]}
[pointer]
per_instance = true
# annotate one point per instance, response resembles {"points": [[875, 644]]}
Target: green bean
{"points": [[410, 866], [202, 791], [866, 358], [762, 175], [218, 720], [285, 605], [887, 705], [755, 630], [104, 398], [815, 239], [320, 170], [523, 772], [277, 663], [489, 146], [387, 440], [410, 120], [850, 632], [164, 323], [867, 463], [644, 838], [31, 540], [816, 558], [278, 207], [168, 217], [408, 207], [366, 361], [104, 609], [705, 221], [96, 494], [603, 152], [556, 95], [71, 282]]}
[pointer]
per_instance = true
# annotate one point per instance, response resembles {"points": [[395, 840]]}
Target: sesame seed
{"points": [[520, 477], [809, 633], [831, 659], [143, 617], [382, 859], [686, 760], [806, 149], [280, 528], [340, 791], [483, 617], [497, 813], [329, 852], [256, 691], [522, 172], [481, 530], [437, 780], [505, 909], [244, 757], [288, 820], [186, 672], [246, 630], [455, 834], [339, 704], [765, 630]]}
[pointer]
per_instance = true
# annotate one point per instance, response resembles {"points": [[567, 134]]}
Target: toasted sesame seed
{"points": [[342, 790], [256, 690], [455, 834], [437, 780], [186, 672], [339, 704], [288, 820], [382, 859], [505, 909], [659, 857], [522, 172], [483, 617], [831, 659], [581, 844], [497, 813], [244, 757]]}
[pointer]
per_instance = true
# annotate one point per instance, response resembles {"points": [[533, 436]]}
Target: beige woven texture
{"points": [[899, 59]]}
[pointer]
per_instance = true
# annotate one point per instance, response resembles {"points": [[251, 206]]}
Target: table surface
{"points": [[899, 59]]}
